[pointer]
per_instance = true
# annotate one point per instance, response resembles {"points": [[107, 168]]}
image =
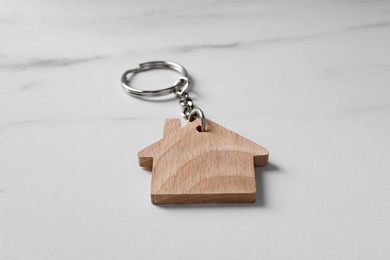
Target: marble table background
{"points": [[309, 80]]}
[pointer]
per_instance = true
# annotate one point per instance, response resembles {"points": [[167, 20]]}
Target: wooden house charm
{"points": [[189, 166]]}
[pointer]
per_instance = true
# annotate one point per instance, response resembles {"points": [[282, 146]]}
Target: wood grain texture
{"points": [[188, 166]]}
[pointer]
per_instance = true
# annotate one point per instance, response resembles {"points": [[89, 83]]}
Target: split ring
{"points": [[178, 87]]}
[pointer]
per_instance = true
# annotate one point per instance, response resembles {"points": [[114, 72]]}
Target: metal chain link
{"points": [[190, 111], [187, 105]]}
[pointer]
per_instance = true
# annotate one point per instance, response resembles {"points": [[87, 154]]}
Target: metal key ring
{"points": [[180, 88], [183, 84]]}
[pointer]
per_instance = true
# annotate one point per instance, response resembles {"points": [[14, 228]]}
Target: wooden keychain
{"points": [[201, 162]]}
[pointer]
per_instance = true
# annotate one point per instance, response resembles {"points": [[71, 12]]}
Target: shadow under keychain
{"points": [[201, 162]]}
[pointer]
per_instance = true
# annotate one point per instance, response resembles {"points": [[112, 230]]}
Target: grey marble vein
{"points": [[208, 46], [48, 63], [244, 44], [29, 85], [21, 123], [53, 121], [379, 25]]}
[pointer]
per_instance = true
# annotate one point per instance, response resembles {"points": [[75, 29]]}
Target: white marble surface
{"points": [[309, 80]]}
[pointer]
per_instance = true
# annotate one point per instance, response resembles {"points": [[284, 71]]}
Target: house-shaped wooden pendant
{"points": [[189, 166]]}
